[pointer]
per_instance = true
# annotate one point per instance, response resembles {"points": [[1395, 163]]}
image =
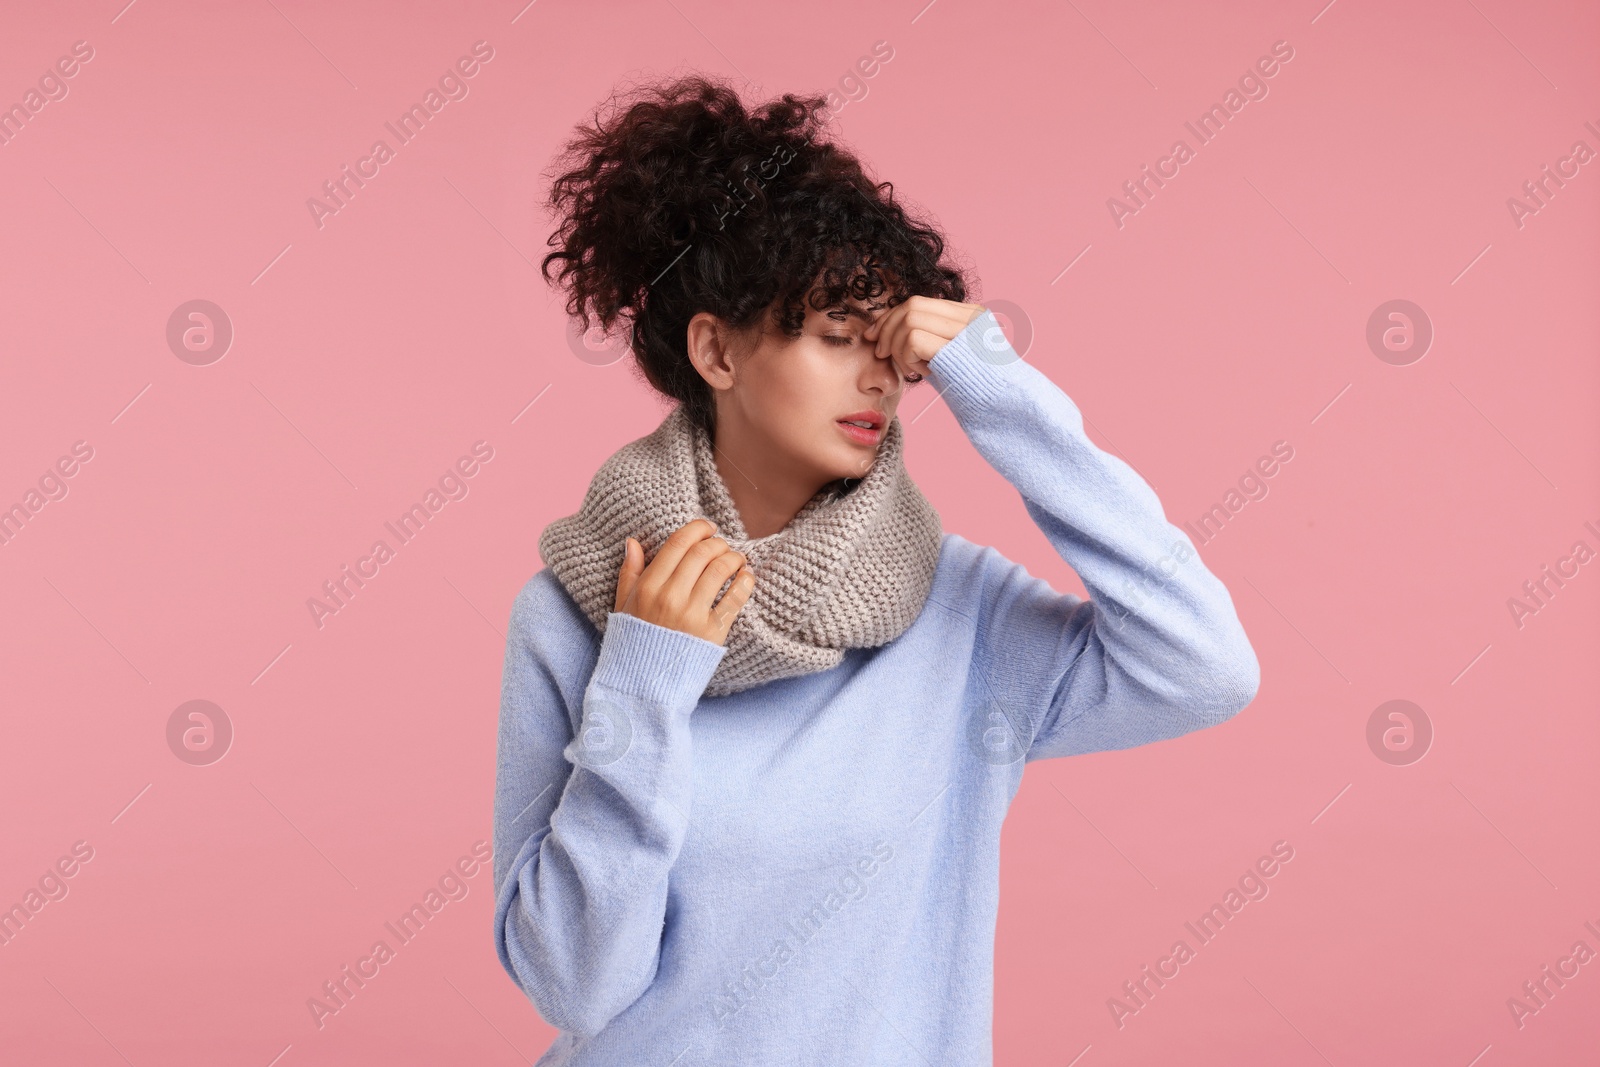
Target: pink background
{"points": [[369, 354]]}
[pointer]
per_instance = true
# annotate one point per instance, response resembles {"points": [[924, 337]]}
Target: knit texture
{"points": [[850, 570]]}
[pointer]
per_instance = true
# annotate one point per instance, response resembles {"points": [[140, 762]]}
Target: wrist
{"points": [[654, 662], [976, 364]]}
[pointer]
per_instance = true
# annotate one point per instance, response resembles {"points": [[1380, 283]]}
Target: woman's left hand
{"points": [[912, 333]]}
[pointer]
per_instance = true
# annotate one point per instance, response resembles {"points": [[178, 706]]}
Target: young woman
{"points": [[761, 717]]}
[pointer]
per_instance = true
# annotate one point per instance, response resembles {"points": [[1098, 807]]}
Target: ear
{"points": [[709, 345]]}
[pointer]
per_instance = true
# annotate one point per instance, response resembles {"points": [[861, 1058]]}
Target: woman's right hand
{"points": [[677, 589]]}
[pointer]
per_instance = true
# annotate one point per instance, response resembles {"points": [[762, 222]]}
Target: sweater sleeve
{"points": [[590, 821], [1156, 651]]}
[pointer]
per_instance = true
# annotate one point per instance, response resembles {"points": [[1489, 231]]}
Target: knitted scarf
{"points": [[850, 570]]}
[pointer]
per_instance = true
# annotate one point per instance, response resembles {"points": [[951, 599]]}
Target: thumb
{"points": [[628, 576]]}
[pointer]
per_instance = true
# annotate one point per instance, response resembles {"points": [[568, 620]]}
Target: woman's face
{"points": [[785, 403]]}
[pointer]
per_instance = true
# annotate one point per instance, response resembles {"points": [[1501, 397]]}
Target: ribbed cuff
{"points": [[973, 367], [656, 663]]}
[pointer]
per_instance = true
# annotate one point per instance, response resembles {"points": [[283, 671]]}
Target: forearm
{"points": [[580, 909], [1161, 629]]}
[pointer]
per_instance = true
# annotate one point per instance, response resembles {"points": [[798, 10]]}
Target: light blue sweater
{"points": [[807, 872]]}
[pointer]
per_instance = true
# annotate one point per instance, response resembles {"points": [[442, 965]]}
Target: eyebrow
{"points": [[858, 312]]}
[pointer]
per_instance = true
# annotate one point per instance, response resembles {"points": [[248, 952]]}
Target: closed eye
{"points": [[839, 339]]}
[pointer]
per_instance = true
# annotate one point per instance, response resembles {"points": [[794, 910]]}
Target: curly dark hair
{"points": [[652, 230]]}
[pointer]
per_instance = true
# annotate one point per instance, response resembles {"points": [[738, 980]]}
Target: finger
{"points": [[874, 331], [881, 326], [944, 318], [628, 576], [957, 312], [679, 588], [954, 312], [900, 347], [903, 367], [893, 337], [678, 543], [927, 336], [922, 346], [925, 307], [711, 580], [733, 601], [871, 332]]}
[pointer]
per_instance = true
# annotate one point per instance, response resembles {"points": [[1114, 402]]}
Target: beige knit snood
{"points": [[851, 570]]}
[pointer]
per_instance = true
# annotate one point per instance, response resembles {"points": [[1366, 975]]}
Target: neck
{"points": [[767, 489]]}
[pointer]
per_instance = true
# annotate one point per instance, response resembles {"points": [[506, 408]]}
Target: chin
{"points": [[857, 465], [840, 458]]}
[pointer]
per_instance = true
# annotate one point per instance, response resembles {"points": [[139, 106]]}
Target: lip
{"points": [[861, 435], [858, 435]]}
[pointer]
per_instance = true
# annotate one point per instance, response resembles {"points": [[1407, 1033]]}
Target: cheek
{"points": [[796, 385], [798, 395]]}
